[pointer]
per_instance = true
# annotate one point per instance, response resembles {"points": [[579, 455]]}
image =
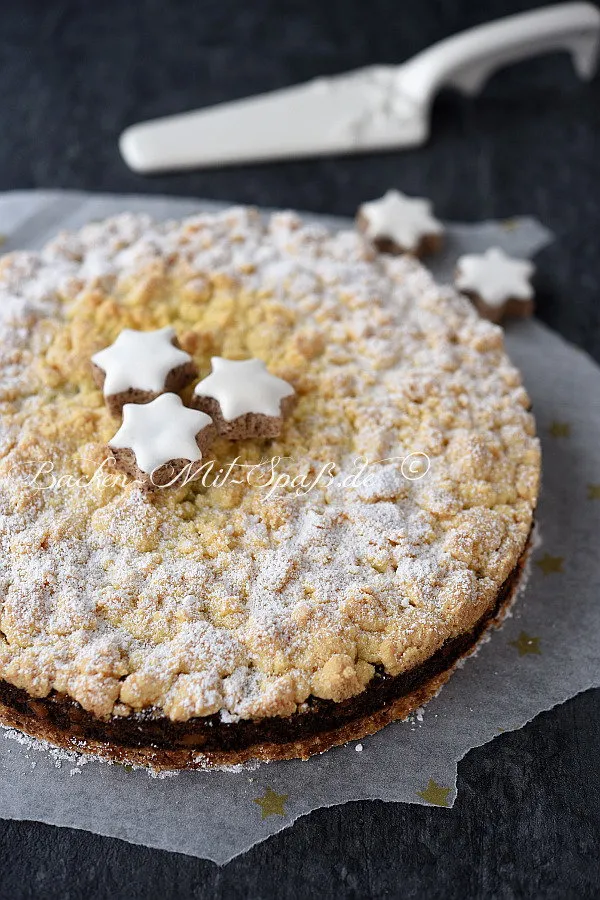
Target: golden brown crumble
{"points": [[237, 598]]}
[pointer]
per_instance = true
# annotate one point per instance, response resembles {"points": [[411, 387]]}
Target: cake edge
{"points": [[21, 711]]}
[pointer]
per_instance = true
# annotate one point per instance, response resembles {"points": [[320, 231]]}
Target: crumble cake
{"points": [[313, 586]]}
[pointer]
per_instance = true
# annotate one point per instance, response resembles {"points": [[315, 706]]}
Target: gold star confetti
{"points": [[550, 565], [593, 491], [526, 644], [435, 793], [560, 429], [271, 804]]}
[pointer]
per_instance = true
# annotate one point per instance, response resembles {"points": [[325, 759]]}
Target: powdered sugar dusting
{"points": [[226, 599]]}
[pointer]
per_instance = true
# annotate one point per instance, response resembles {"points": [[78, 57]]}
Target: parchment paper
{"points": [[547, 651]]}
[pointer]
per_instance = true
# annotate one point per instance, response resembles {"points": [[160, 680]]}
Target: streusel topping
{"points": [[235, 594]]}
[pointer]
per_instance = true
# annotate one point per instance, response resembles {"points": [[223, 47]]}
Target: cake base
{"points": [[152, 740]]}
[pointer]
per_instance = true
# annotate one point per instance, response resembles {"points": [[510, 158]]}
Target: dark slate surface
{"points": [[72, 75]]}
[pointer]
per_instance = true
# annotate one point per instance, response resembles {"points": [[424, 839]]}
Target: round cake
{"points": [[302, 590]]}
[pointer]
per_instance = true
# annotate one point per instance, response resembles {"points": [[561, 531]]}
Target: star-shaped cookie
{"points": [[399, 224], [498, 284], [140, 365], [244, 399], [159, 440]]}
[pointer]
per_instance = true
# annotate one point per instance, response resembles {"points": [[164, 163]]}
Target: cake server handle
{"points": [[467, 60]]}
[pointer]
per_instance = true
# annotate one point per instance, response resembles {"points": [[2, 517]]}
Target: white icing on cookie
{"points": [[495, 277], [243, 387], [140, 360], [160, 431], [401, 219]]}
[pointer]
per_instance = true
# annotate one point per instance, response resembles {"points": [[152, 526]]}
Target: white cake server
{"points": [[376, 108]]}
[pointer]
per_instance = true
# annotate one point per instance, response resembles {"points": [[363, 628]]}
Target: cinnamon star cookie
{"points": [[140, 365], [499, 285], [399, 224], [159, 440], [244, 399]]}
